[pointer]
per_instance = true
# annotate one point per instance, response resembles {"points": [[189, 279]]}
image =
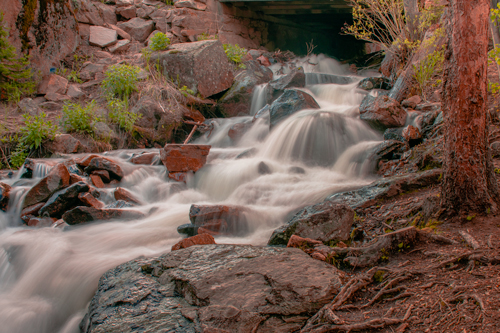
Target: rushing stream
{"points": [[48, 276]]}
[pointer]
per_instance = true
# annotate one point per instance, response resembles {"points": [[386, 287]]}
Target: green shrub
{"points": [[206, 36], [18, 156], [15, 75], [235, 54], [185, 91], [159, 42], [121, 80], [428, 70], [36, 129], [77, 118], [119, 114]]}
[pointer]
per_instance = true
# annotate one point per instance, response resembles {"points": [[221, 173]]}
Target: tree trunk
{"points": [[412, 14], [469, 184]]}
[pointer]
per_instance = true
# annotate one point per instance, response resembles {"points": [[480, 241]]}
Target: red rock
{"points": [[55, 97], [122, 33], [85, 161], [4, 196], [53, 84], [302, 243], [203, 239], [146, 158], [193, 115], [101, 163], [178, 176], [97, 181], [65, 144], [31, 211], [57, 179], [103, 174], [206, 231], [122, 194], [228, 220], [382, 112], [318, 256], [102, 37], [183, 158], [74, 178], [80, 215], [89, 200], [216, 226], [127, 12], [138, 28], [411, 133], [201, 66], [41, 222], [264, 61]]}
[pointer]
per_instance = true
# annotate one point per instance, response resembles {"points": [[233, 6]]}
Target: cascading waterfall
{"points": [[48, 275]]}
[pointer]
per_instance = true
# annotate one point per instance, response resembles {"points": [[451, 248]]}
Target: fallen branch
{"points": [[469, 239]]}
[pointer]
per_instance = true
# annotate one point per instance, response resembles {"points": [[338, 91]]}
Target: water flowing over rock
{"points": [[4, 196], [63, 200], [324, 222], [213, 288], [80, 215], [382, 112], [184, 158], [101, 163], [295, 79], [200, 66], [57, 178], [202, 239], [291, 101], [218, 219]]}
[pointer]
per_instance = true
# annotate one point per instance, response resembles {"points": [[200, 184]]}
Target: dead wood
{"points": [[470, 240]]}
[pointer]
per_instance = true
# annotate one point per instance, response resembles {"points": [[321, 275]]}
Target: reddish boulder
{"points": [[85, 160], [193, 115], [74, 178], [97, 181], [137, 28], [264, 61], [40, 222], [101, 163], [82, 214], [183, 158], [227, 220], [122, 194], [411, 133], [203, 239], [31, 211], [65, 144], [4, 196], [382, 112], [146, 158], [127, 12], [302, 243], [63, 200], [201, 66], [89, 200], [102, 37], [57, 179], [53, 84], [103, 174]]}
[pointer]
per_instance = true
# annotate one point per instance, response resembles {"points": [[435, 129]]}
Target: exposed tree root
{"points": [[470, 240]]}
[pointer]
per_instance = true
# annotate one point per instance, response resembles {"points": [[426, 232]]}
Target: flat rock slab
{"points": [[138, 28], [102, 37], [201, 66], [184, 158], [213, 288]]}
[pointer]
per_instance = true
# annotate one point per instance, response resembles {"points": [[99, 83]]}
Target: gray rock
{"points": [[127, 12], [28, 106], [138, 28], [371, 83], [121, 45], [74, 91], [102, 37], [325, 222], [63, 200], [394, 134], [103, 132], [292, 100], [90, 70], [382, 112], [223, 288], [150, 112], [295, 79]]}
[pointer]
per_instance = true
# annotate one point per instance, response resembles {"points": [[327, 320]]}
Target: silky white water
{"points": [[48, 276]]}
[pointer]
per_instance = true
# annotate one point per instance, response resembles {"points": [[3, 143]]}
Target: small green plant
{"points": [[15, 75], [18, 156], [159, 42], [119, 114], [429, 69], [168, 2], [78, 118], [121, 80], [185, 91], [235, 54], [207, 36], [36, 130]]}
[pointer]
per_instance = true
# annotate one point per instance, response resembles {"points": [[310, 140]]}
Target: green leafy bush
{"points": [[207, 36], [77, 118], [185, 91], [119, 114], [159, 42], [15, 75], [428, 70], [36, 129], [18, 156], [121, 80], [235, 53]]}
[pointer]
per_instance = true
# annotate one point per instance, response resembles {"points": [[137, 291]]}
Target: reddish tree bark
{"points": [[469, 184]]}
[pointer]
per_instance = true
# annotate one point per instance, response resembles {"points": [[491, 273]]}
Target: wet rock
{"points": [[138, 28], [102, 37], [81, 214], [264, 169], [291, 101], [178, 176], [371, 83], [65, 144], [4, 196], [411, 133], [388, 150], [183, 158], [103, 174], [74, 178], [324, 222], [238, 99], [264, 61], [297, 170], [31, 211], [225, 220], [101, 163], [192, 114], [146, 158], [53, 84], [40, 222], [412, 102], [89, 200], [119, 204], [63, 200], [395, 134], [97, 181], [187, 229], [238, 130], [382, 112], [57, 179], [295, 79], [425, 107], [203, 239], [222, 288], [247, 153], [200, 66], [122, 194]]}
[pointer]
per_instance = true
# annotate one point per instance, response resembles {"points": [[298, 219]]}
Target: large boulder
{"points": [[57, 179], [65, 144], [292, 100], [218, 219], [63, 200], [184, 158], [213, 288], [382, 112], [46, 30], [4, 196], [295, 79], [200, 66], [325, 222], [138, 28], [150, 112], [53, 84], [82, 214], [102, 163], [238, 99], [102, 37]]}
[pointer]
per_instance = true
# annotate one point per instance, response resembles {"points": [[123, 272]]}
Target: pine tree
{"points": [[14, 72]]}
